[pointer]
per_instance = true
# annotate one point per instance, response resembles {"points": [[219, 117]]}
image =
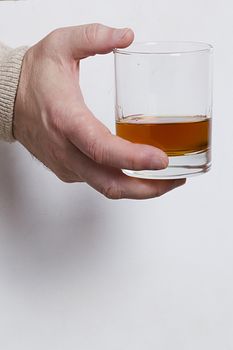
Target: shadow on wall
{"points": [[45, 224]]}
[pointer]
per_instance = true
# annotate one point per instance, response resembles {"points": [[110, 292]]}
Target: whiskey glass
{"points": [[164, 99]]}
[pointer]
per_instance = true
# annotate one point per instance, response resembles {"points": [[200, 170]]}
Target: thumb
{"points": [[90, 39]]}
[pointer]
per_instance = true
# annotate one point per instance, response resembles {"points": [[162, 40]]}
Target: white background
{"points": [[78, 271]]}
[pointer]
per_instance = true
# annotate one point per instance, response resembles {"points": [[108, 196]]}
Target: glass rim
{"points": [[149, 45]]}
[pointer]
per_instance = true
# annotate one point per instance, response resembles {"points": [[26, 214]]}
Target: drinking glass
{"points": [[164, 99]]}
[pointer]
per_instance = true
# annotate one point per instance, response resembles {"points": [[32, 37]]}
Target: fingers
{"points": [[90, 136], [88, 40], [113, 184]]}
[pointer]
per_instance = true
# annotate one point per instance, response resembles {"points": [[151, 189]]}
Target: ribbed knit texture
{"points": [[10, 67]]}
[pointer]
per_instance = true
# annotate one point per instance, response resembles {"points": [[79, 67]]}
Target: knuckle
{"points": [[133, 163], [56, 33], [159, 192], [65, 178], [112, 191], [52, 39], [97, 151], [137, 160], [64, 174], [91, 32], [55, 41]]}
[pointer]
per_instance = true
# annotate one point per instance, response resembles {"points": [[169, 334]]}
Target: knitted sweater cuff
{"points": [[10, 68]]}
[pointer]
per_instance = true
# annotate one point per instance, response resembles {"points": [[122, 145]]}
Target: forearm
{"points": [[10, 67]]}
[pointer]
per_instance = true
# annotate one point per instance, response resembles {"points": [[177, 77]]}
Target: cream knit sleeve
{"points": [[10, 67]]}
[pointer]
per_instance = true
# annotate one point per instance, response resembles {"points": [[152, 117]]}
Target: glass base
{"points": [[179, 167]]}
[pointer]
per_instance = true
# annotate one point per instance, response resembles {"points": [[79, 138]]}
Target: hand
{"points": [[52, 121]]}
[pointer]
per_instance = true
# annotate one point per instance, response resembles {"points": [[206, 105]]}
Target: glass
{"points": [[164, 99]]}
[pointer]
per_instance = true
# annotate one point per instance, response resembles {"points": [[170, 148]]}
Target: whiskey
{"points": [[177, 136]]}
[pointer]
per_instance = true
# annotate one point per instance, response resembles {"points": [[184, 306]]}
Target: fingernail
{"points": [[164, 162], [160, 162], [119, 34]]}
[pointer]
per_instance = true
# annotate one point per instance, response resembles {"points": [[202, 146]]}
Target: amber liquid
{"points": [[177, 136]]}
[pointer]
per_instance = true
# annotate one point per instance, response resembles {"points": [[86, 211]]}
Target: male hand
{"points": [[52, 121]]}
